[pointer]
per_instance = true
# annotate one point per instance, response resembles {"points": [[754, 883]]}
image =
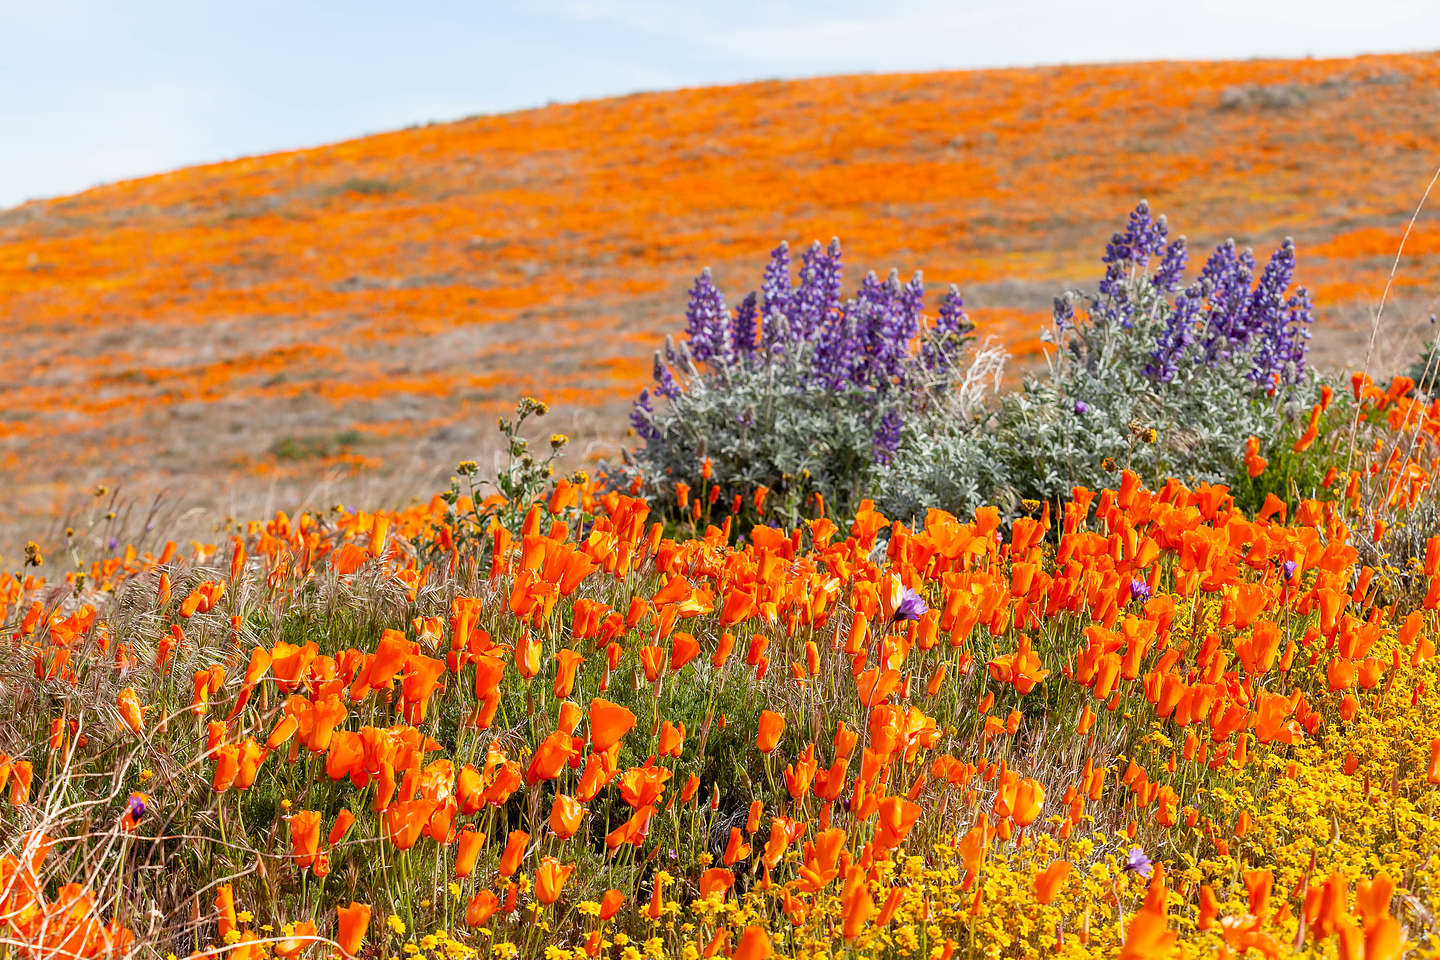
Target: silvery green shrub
{"points": [[803, 392], [800, 392]]}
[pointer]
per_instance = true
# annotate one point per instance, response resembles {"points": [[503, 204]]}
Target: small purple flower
{"points": [[1290, 566], [665, 384], [1139, 590], [1081, 407], [112, 543], [642, 418], [137, 807], [1137, 862], [912, 606], [887, 438], [708, 322]]}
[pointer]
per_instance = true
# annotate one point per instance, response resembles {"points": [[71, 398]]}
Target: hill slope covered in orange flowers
{"points": [[233, 332]]}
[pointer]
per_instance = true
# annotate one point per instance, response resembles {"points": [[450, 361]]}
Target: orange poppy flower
{"points": [[566, 815], [567, 662], [1029, 799], [282, 732], [227, 766], [550, 758], [514, 852], [252, 755], [716, 880], [481, 907], [131, 713], [754, 944], [305, 837], [672, 739], [225, 907], [354, 923], [550, 879], [610, 903], [343, 821], [301, 939], [467, 850], [609, 722], [736, 849], [771, 726], [406, 820], [1049, 881]]}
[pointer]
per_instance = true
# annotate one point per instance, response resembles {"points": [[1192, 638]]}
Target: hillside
{"points": [[232, 333]]}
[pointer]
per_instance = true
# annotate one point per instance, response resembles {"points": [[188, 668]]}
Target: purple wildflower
{"points": [[912, 606], [1279, 323], [1225, 285], [665, 384], [112, 543], [887, 438], [1137, 862], [1172, 267], [1289, 568], [1064, 313], [1174, 341], [136, 806], [811, 305], [1081, 407], [641, 418], [1144, 238], [1139, 590], [952, 329], [742, 333], [775, 288], [708, 323]]}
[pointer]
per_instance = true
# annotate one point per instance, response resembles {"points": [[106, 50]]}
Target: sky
{"points": [[93, 91]]}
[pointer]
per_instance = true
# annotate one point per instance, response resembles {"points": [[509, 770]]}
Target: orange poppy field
{"points": [[1146, 725], [532, 707], [236, 334]]}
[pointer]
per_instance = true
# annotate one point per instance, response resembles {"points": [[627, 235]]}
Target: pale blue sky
{"points": [[94, 90]]}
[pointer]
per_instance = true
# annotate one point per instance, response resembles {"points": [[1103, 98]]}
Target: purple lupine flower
{"points": [[1289, 567], [952, 329], [775, 288], [817, 298], [1127, 252], [708, 323], [1279, 323], [1175, 339], [868, 325], [884, 333], [1172, 267], [641, 418], [775, 296], [838, 350], [1064, 313], [1081, 407], [1139, 590], [136, 806], [1225, 284], [1137, 862], [1299, 308], [665, 384], [912, 606], [742, 333], [887, 438], [903, 325]]}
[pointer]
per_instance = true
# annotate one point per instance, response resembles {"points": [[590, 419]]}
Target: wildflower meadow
{"points": [[858, 652]]}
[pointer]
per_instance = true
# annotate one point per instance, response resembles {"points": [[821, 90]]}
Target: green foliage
{"points": [[315, 446], [1290, 475], [476, 501]]}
